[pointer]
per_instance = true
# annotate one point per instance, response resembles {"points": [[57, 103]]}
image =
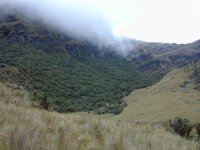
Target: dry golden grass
{"points": [[164, 100], [10, 93], [25, 128]]}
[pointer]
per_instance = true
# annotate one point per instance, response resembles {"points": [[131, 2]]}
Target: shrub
{"points": [[198, 129], [101, 111], [42, 99], [181, 126]]}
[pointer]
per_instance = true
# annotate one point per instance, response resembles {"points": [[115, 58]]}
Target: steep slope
{"points": [[73, 75], [24, 127], [173, 96]]}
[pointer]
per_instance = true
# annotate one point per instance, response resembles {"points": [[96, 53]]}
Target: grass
{"points": [[23, 127], [173, 96], [12, 94]]}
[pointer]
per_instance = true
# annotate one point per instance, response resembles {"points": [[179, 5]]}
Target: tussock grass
{"points": [[25, 128], [10, 93]]}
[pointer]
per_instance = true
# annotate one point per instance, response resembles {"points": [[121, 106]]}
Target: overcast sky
{"points": [[154, 20], [174, 21]]}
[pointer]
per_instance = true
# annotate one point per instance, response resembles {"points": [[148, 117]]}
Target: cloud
{"points": [[75, 18]]}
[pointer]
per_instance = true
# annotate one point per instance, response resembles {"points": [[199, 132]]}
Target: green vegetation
{"points": [[42, 99], [198, 129], [184, 128], [70, 84]]}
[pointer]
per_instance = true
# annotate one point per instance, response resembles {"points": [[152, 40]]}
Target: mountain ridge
{"points": [[78, 75], [68, 74]]}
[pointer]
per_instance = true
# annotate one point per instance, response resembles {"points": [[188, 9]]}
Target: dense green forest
{"points": [[70, 84]]}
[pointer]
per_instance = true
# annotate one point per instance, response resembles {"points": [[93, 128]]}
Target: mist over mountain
{"points": [[74, 60], [70, 74], [79, 21], [67, 81]]}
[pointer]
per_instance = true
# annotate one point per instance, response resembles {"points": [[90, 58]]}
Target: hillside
{"points": [[157, 59], [42, 68], [175, 95], [68, 74], [73, 75], [195, 76], [25, 127]]}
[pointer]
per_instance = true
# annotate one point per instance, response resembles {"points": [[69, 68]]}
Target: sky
{"points": [[169, 21], [173, 21]]}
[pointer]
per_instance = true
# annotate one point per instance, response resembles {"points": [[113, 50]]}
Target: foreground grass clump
{"points": [[25, 128]]}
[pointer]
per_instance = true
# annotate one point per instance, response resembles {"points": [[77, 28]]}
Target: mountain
{"points": [[144, 84], [70, 75], [158, 59], [63, 73]]}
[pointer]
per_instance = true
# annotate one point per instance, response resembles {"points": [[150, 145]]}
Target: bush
{"points": [[101, 111], [181, 126], [42, 99], [198, 129]]}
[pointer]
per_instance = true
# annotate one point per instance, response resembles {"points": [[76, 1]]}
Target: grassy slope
{"points": [[23, 127], [164, 100]]}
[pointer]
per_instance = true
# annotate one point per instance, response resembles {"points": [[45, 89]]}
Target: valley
{"points": [[61, 92], [76, 75]]}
